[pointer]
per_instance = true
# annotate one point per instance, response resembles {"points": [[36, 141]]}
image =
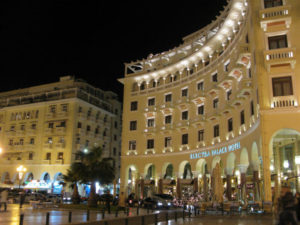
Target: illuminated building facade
{"points": [[42, 127], [225, 100]]}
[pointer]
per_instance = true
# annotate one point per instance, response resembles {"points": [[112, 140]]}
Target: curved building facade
{"points": [[196, 118]]}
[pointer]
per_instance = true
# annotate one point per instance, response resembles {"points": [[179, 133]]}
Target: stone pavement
{"points": [[60, 216]]}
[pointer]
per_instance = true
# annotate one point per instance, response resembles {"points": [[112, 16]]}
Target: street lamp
{"points": [[0, 150], [20, 171]]}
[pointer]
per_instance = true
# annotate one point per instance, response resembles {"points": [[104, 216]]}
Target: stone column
{"points": [[267, 196], [256, 181], [160, 186], [195, 184], [115, 188], [243, 170], [142, 181], [229, 173], [277, 168], [178, 188]]}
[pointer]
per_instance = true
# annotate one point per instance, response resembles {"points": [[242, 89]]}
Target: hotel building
{"points": [[42, 127], [220, 111]]}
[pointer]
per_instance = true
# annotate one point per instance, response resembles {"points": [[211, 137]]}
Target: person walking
{"points": [[3, 200]]}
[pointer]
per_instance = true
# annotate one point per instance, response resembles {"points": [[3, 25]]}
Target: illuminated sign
{"points": [[214, 152]]}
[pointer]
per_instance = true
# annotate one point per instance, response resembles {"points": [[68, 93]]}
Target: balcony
{"points": [[184, 147], [284, 102], [11, 133], [184, 99], [20, 133], [183, 123], [275, 16], [150, 130], [48, 145], [279, 56], [167, 105], [49, 130], [81, 116], [167, 126], [150, 109], [60, 145], [46, 161], [167, 149], [30, 147], [60, 130], [59, 161], [50, 115], [62, 114], [80, 131], [31, 132]]}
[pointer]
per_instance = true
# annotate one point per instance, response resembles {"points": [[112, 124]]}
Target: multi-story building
{"points": [[42, 127], [220, 110]]}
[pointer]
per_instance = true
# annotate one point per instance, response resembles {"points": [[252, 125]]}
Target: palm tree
{"points": [[73, 176], [95, 168]]}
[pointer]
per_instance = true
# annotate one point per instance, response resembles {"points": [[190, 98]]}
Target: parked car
{"points": [[67, 197], [158, 201]]}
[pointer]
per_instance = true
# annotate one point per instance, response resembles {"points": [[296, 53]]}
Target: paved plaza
{"points": [[60, 216]]}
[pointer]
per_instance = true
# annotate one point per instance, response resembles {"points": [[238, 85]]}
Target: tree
{"points": [[95, 168], [73, 176]]}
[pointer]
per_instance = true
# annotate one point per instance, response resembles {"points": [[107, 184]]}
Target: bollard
{"points": [[126, 221], [147, 209], [47, 218], [21, 219], [88, 215], [155, 219], [190, 212], [70, 217], [117, 211], [143, 220], [175, 216], [195, 210], [167, 217], [137, 211], [127, 213], [183, 214], [103, 214]]}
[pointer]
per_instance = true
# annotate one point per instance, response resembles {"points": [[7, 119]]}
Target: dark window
{"points": [[168, 141], [133, 125], [216, 131], [31, 141], [277, 42], [151, 101], [215, 103], [168, 98], [116, 124], [30, 156], [150, 143], [201, 110], [48, 156], [282, 86], [229, 92], [230, 125], [133, 106], [200, 135], [88, 128], [242, 117], [114, 151], [150, 122], [60, 155], [168, 119], [185, 139], [184, 92], [50, 125], [200, 86], [249, 73], [115, 137], [132, 145], [78, 125], [252, 108], [272, 3], [214, 77], [185, 115]]}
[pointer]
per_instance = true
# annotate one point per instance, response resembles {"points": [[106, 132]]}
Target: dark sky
{"points": [[43, 40]]}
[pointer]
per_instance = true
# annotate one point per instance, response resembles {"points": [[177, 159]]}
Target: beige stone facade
{"points": [[213, 101], [42, 127]]}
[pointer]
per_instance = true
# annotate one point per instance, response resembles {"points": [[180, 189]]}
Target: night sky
{"points": [[43, 40]]}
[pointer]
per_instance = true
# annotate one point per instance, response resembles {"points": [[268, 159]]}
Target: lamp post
{"points": [[21, 169]]}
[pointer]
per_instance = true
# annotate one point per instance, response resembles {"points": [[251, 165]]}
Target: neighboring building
{"points": [[221, 101], [42, 127]]}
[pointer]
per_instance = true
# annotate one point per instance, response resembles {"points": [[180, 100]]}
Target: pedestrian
{"points": [[3, 200], [22, 198], [288, 214]]}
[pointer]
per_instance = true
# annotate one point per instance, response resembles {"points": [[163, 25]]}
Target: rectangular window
{"points": [[276, 42], [200, 86], [31, 141], [150, 143], [272, 3], [216, 131], [133, 106], [242, 117], [229, 92], [33, 126], [201, 110], [185, 115], [200, 135], [184, 92], [50, 141], [132, 145], [11, 142], [215, 103], [168, 98], [214, 77], [48, 156], [22, 127], [64, 107], [60, 155], [133, 125], [282, 86], [151, 101], [230, 125], [114, 151], [52, 108], [168, 142], [168, 119], [150, 122], [252, 108], [185, 139], [30, 156], [79, 125], [50, 125]]}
